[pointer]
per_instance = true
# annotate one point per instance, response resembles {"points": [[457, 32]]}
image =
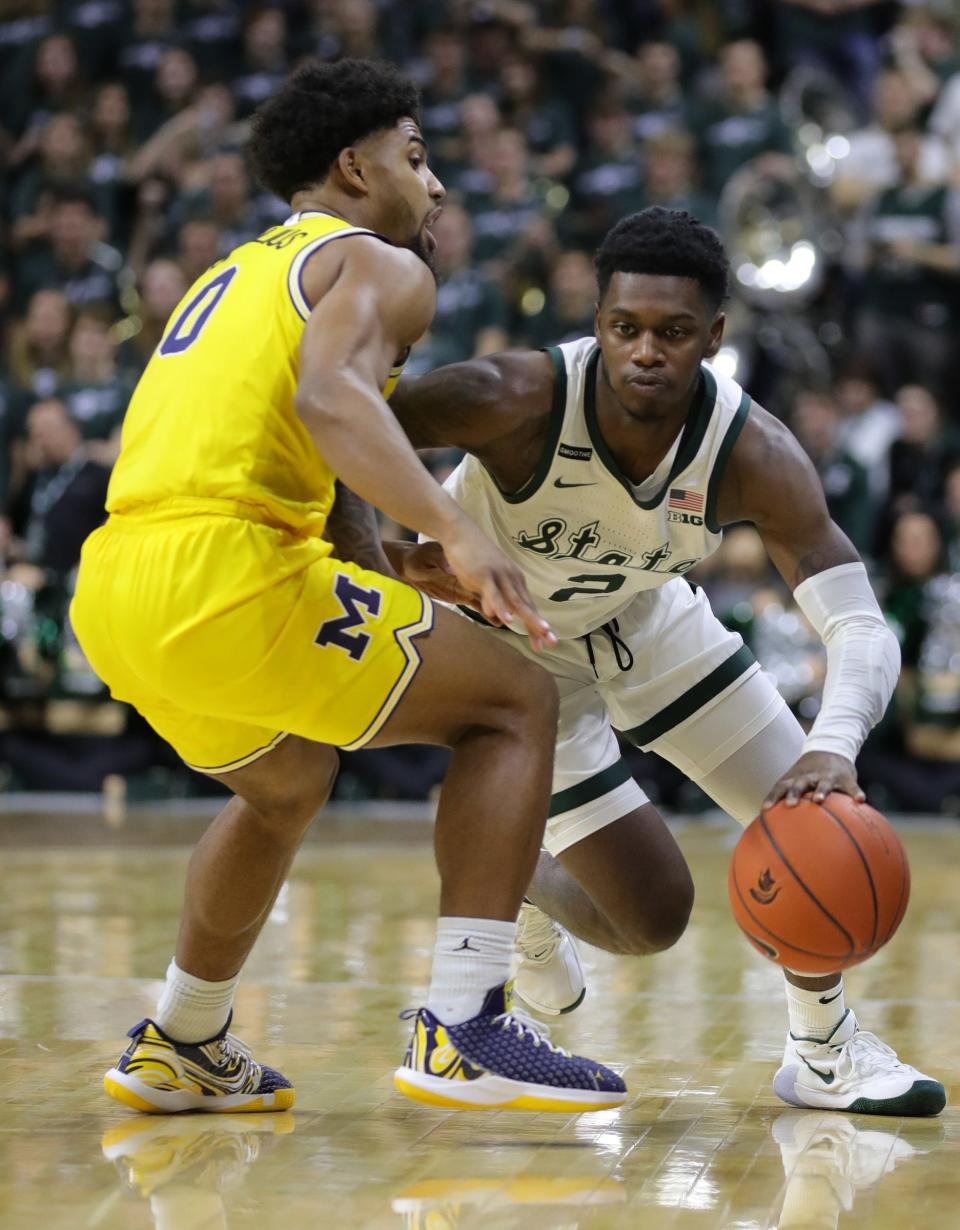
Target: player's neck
{"points": [[638, 441], [337, 204]]}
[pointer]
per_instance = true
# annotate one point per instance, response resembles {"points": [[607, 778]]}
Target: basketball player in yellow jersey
{"points": [[212, 601]]}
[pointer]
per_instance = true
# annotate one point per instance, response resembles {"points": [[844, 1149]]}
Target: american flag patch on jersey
{"points": [[686, 501]]}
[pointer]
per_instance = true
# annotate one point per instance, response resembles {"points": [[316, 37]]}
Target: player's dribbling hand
{"points": [[816, 773], [495, 582]]}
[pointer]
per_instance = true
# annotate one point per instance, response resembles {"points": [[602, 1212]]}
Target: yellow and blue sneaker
{"points": [[496, 1061], [161, 1076]]}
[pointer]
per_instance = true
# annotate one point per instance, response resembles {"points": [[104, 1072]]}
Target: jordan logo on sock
{"points": [[465, 944]]}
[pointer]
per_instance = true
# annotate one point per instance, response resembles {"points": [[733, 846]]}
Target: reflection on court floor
{"points": [[85, 934]]}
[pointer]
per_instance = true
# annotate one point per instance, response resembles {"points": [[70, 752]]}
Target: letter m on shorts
{"points": [[357, 603]]}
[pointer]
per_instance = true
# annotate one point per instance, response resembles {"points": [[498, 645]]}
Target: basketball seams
{"points": [[866, 866], [807, 952], [816, 901]]}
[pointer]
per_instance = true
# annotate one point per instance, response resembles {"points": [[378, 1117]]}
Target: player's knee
{"points": [[535, 702], [661, 921], [293, 799]]}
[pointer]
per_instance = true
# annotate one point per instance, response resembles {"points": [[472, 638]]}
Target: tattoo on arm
{"points": [[352, 528]]}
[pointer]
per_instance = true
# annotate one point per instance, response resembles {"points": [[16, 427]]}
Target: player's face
{"points": [[653, 332], [405, 191]]}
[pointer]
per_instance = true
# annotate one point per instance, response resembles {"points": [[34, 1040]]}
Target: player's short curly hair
{"points": [[669, 242], [319, 111]]}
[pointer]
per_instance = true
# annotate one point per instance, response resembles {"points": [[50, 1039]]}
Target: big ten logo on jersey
{"points": [[356, 603], [280, 237]]}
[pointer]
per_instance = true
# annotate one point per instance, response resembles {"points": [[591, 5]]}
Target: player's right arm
{"points": [[372, 301]]}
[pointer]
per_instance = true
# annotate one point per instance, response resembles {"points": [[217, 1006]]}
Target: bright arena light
{"points": [[726, 361]]}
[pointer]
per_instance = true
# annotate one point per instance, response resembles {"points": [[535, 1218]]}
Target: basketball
{"points": [[820, 886]]}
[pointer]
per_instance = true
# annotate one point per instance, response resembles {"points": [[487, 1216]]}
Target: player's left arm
{"points": [[771, 482]]}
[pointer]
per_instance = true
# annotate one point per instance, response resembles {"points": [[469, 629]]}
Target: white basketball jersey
{"points": [[587, 539]]}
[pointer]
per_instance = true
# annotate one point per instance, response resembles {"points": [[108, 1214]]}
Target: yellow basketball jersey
{"points": [[212, 418]]}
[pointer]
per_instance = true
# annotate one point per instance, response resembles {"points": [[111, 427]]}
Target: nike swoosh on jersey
{"points": [[558, 482]]}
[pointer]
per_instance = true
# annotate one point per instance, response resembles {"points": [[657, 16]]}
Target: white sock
{"points": [[471, 955], [815, 1014], [192, 1009]]}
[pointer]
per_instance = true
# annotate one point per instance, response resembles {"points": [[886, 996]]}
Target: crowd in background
{"points": [[821, 137]]}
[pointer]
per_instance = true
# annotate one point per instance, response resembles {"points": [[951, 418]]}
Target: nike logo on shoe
{"points": [[558, 482], [828, 999], [827, 1077]]}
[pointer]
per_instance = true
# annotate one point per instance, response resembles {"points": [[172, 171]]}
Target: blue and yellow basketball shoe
{"points": [[161, 1076], [496, 1061]]}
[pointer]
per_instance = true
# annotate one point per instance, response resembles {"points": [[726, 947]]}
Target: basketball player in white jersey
{"points": [[606, 468]]}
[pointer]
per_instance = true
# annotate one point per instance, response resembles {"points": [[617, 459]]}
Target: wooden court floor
{"points": [[85, 932]]}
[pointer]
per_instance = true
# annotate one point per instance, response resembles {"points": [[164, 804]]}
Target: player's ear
{"points": [[350, 166], [715, 336]]}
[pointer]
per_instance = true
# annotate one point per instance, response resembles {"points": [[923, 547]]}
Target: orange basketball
{"points": [[820, 886]]}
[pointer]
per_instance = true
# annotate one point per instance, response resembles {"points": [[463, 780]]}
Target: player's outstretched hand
{"points": [[425, 567], [816, 773], [495, 582]]}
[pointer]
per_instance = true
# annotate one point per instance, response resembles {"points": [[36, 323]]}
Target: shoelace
{"points": [[516, 1019], [230, 1046], [867, 1052]]}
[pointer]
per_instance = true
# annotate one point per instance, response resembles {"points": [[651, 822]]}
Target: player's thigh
{"points": [[469, 678], [741, 783], [637, 877]]}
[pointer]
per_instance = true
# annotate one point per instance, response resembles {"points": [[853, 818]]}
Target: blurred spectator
{"points": [[74, 259], [914, 757], [471, 316], [816, 422], [96, 392], [62, 162], [870, 166], [62, 500], [152, 33], [840, 38], [607, 183], [908, 320], [444, 86], [546, 122], [743, 121], [229, 202], [111, 135], [347, 28], [654, 91], [511, 203], [198, 246], [37, 354], [869, 425], [55, 85], [921, 454], [570, 304], [175, 86], [162, 287], [670, 176], [265, 62]]}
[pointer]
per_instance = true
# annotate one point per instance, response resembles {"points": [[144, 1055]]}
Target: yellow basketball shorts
{"points": [[227, 635]]}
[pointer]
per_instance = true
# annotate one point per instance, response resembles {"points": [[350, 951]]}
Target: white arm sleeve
{"points": [[863, 657]]}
